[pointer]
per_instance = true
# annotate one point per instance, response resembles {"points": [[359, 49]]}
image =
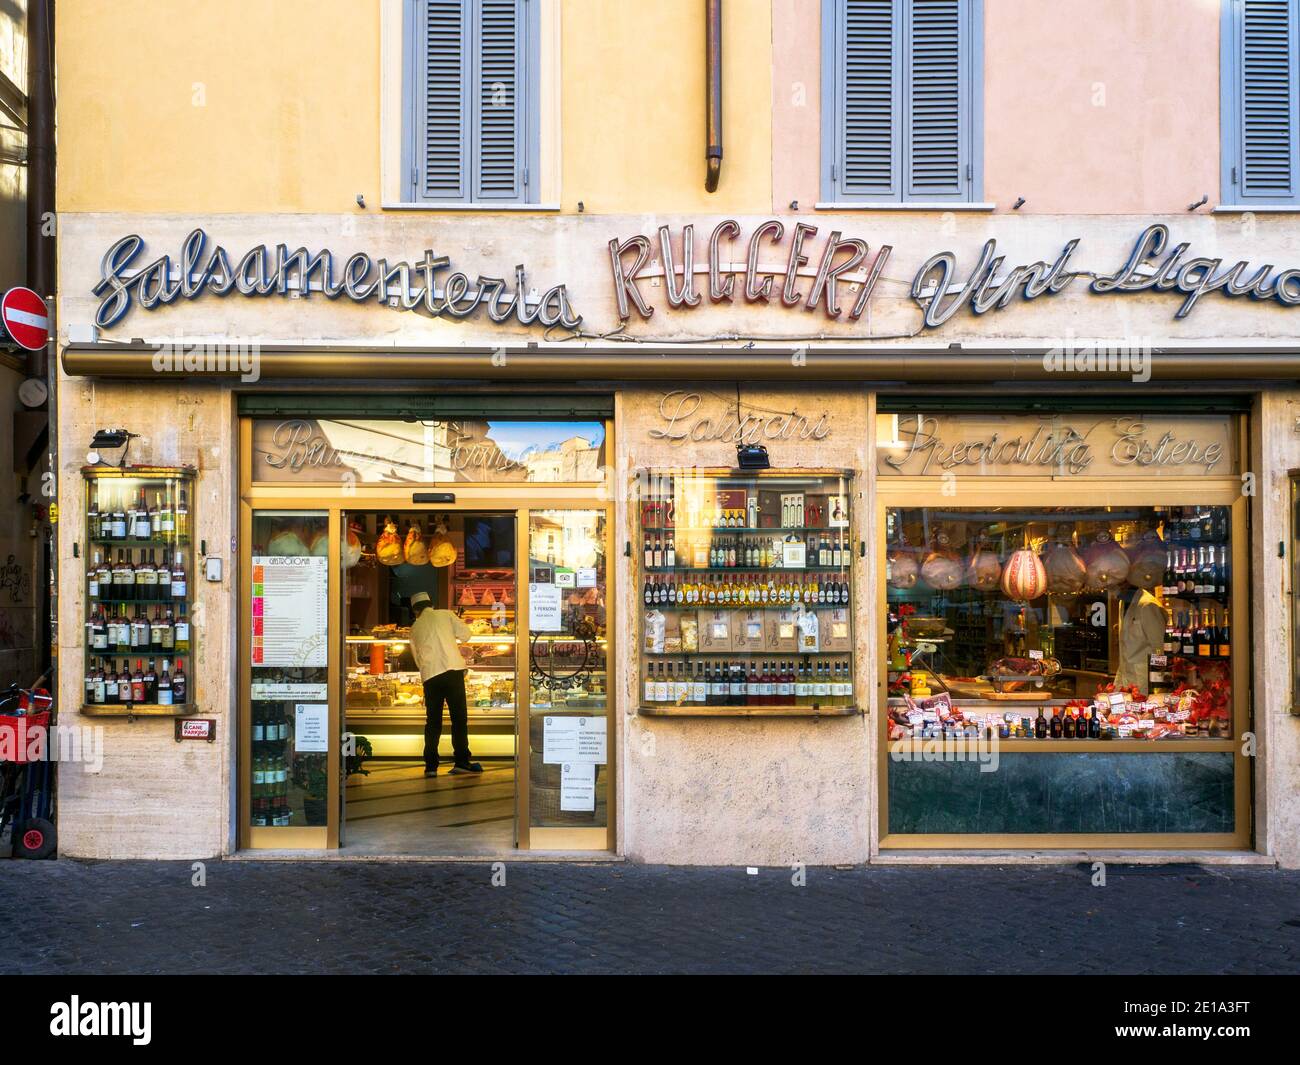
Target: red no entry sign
{"points": [[25, 319]]}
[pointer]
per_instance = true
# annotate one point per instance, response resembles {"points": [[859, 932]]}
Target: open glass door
{"points": [[567, 719], [464, 563]]}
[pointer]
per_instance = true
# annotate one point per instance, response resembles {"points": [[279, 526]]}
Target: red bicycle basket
{"points": [[15, 734]]}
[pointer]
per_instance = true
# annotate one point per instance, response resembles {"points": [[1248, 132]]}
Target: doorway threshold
{"points": [[478, 858]]}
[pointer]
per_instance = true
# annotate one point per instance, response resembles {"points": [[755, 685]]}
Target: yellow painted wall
{"points": [[284, 115], [633, 106], [197, 106]]}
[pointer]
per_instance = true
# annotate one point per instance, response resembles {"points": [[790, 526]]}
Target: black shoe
{"points": [[431, 772], [465, 767]]}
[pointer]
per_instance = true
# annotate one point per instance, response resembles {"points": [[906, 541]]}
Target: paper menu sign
{"points": [[311, 727], [544, 602], [290, 610], [577, 786], [570, 738]]}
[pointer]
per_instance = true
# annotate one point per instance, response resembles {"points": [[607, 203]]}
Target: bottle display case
{"points": [[139, 587], [747, 593]]}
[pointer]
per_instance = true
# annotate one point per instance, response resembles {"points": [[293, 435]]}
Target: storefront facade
{"points": [[989, 440]]}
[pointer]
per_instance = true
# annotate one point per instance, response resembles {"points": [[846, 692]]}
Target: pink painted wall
{"points": [[796, 103], [1101, 106], [1090, 106]]}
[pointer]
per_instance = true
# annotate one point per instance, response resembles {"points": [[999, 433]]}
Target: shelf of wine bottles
{"points": [[269, 801], [789, 681], [138, 604], [746, 592]]}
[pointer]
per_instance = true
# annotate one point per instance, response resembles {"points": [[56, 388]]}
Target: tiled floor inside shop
{"points": [[395, 810]]}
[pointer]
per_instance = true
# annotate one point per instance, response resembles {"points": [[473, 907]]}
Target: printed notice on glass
{"points": [[311, 727], [577, 786], [290, 607], [570, 738], [289, 691], [544, 607]]}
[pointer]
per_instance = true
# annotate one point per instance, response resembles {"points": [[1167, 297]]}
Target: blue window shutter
{"points": [[936, 75], [867, 46], [443, 51], [498, 144], [1266, 145]]}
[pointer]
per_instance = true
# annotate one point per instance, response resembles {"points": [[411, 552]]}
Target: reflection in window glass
{"points": [[427, 451], [1060, 622]]}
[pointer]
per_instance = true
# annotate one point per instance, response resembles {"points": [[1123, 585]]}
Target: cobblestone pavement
{"points": [[278, 917]]}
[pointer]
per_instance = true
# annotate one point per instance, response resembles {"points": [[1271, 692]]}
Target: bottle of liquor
{"points": [[1225, 637], [179, 586], [110, 682], [1056, 727], [1189, 635], [143, 528], [661, 685], [156, 629], [821, 685], [1221, 573], [699, 685], [150, 683], [123, 578], [164, 696], [98, 631], [181, 630], [118, 526], [670, 552], [139, 629], [1202, 638], [137, 683], [166, 517], [180, 686], [657, 554], [121, 642], [1067, 726], [182, 518], [1084, 725]]}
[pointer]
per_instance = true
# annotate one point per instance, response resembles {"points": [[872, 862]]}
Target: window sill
{"points": [[916, 205], [1261, 208], [485, 207]]}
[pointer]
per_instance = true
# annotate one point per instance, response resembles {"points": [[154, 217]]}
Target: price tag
{"points": [[1036, 655]]}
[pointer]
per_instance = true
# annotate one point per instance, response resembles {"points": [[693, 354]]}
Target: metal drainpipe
{"points": [[40, 159], [713, 101]]}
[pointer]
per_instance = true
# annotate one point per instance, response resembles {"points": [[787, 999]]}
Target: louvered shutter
{"points": [[499, 119], [868, 46], [1267, 146], [936, 126], [442, 40], [472, 135]]}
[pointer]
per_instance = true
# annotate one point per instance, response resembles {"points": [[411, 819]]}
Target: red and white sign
{"points": [[25, 318]]}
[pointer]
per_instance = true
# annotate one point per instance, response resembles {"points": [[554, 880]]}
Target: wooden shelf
{"points": [[137, 710]]}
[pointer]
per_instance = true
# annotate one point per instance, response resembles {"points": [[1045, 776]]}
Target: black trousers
{"points": [[446, 687]]}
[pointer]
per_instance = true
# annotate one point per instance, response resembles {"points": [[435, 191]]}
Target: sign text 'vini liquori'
{"points": [[835, 274]]}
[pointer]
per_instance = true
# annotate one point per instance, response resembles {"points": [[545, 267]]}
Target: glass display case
{"points": [[746, 592], [1062, 623], [139, 590]]}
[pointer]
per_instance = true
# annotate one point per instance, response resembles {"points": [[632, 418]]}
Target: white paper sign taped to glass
{"points": [[290, 610], [544, 604], [577, 786], [311, 727], [569, 738], [289, 691]]}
